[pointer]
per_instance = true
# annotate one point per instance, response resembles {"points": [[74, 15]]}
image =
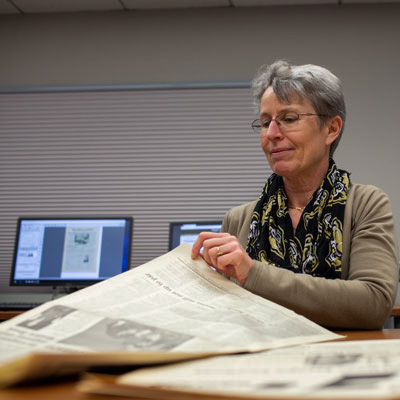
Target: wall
{"points": [[359, 43]]}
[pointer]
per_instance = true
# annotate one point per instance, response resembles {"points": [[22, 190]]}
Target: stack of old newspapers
{"points": [[228, 341]]}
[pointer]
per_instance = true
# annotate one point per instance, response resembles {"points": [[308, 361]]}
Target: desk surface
{"points": [[66, 390], [395, 311], [4, 315]]}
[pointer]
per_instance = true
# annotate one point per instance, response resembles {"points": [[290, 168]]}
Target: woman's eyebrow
{"points": [[286, 109]]}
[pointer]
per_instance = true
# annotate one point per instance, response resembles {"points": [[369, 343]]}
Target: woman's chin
{"points": [[283, 168]]}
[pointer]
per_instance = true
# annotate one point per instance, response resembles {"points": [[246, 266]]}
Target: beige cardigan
{"points": [[365, 294]]}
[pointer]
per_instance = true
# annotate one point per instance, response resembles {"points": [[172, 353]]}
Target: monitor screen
{"points": [[70, 251], [180, 232]]}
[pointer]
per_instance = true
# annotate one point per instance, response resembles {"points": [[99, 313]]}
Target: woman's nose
{"points": [[274, 130]]}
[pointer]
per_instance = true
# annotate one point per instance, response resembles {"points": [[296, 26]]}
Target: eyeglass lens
{"points": [[285, 120]]}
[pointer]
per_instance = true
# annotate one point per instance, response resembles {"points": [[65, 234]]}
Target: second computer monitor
{"points": [[188, 231]]}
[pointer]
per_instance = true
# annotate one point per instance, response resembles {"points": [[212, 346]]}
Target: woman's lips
{"points": [[279, 153]]}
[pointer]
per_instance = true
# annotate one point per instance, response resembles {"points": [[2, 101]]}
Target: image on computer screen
{"points": [[188, 231], [70, 251]]}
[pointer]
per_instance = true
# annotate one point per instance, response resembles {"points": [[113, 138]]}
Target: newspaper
{"points": [[354, 369], [172, 304]]}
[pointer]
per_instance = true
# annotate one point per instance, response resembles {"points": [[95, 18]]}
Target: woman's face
{"points": [[301, 151]]}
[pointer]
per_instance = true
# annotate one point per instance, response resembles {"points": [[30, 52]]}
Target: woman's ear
{"points": [[334, 126]]}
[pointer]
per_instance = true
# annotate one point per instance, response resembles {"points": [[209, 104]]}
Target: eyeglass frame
{"points": [[279, 122]]}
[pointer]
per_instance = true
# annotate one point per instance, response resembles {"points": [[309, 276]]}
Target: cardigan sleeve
{"points": [[365, 297]]}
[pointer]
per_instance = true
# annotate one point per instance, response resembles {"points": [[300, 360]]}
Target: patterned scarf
{"points": [[316, 246]]}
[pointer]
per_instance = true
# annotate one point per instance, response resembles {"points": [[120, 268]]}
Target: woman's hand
{"points": [[223, 252]]}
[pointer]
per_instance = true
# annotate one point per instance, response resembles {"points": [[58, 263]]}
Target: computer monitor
{"points": [[188, 231], [70, 252]]}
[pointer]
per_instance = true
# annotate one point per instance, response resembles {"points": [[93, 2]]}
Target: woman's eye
{"points": [[290, 120]]}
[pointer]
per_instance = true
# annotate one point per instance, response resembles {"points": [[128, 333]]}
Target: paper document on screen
{"points": [[81, 252]]}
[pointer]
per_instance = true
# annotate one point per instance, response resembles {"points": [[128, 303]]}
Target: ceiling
{"points": [[65, 6]]}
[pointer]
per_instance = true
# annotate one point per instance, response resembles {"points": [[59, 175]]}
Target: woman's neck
{"points": [[298, 199], [299, 190]]}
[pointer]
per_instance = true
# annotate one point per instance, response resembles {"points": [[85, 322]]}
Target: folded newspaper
{"points": [[170, 309], [365, 369]]}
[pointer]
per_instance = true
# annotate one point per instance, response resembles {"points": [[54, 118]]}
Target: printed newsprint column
{"points": [[172, 307]]}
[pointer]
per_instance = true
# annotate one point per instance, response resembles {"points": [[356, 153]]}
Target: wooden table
{"points": [[66, 390], [371, 335], [395, 311], [4, 315]]}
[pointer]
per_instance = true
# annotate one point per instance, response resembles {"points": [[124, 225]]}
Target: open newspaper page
{"points": [[172, 304], [354, 369]]}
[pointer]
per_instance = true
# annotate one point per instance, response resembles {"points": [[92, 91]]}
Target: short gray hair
{"points": [[311, 82]]}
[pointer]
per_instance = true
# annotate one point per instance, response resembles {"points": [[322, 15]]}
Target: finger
{"points": [[205, 237], [215, 247], [220, 252], [236, 264], [198, 244], [209, 252], [228, 254], [214, 253], [225, 247], [206, 257], [225, 267]]}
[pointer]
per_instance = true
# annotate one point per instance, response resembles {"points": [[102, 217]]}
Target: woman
{"points": [[313, 242]]}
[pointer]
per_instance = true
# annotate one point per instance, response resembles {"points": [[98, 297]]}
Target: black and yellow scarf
{"points": [[316, 246]]}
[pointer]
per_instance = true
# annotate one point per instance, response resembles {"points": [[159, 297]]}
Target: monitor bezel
{"points": [[174, 223], [67, 283]]}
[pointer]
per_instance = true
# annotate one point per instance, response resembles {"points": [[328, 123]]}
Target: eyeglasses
{"points": [[287, 121]]}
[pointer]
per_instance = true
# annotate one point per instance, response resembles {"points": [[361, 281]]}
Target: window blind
{"points": [[158, 155]]}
